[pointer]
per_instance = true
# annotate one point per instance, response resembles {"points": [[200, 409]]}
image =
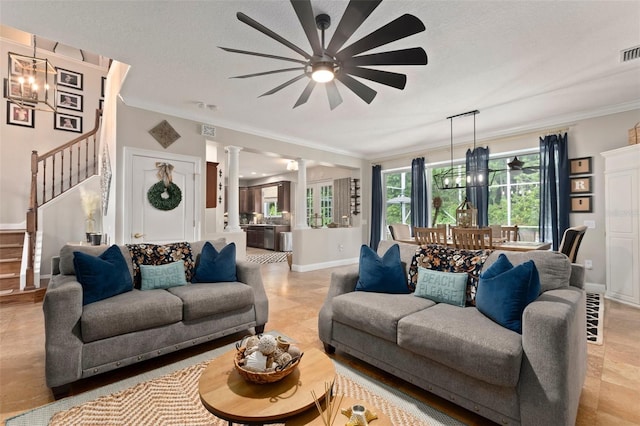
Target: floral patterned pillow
{"points": [[449, 259], [155, 254]]}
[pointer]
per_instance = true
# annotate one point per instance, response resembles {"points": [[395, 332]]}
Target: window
{"points": [[320, 202], [397, 188]]}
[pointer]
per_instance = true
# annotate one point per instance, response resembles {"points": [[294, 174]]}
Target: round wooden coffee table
{"points": [[227, 395]]}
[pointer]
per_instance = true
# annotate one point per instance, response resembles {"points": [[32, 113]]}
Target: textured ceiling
{"points": [[525, 65]]}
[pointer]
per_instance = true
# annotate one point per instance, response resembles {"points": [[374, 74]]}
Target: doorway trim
{"points": [[129, 153]]}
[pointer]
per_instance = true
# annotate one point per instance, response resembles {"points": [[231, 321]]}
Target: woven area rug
{"points": [[275, 257], [172, 399], [595, 318]]}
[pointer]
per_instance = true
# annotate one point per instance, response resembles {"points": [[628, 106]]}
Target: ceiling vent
{"points": [[630, 54], [208, 131]]}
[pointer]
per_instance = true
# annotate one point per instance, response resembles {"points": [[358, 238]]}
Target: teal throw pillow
{"points": [[216, 267], [445, 287], [381, 274], [102, 276], [162, 276], [503, 296]]}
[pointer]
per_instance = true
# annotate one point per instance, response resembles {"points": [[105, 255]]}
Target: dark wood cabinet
{"points": [[247, 201], [256, 193], [255, 236], [212, 185], [284, 196]]}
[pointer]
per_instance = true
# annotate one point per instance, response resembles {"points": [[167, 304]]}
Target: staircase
{"points": [[11, 248]]}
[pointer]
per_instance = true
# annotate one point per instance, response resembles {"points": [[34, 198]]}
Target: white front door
{"points": [[149, 224]]}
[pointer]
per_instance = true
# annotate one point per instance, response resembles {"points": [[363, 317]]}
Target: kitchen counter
{"points": [[264, 235]]}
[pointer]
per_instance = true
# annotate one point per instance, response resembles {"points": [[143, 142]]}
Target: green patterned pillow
{"points": [[162, 276], [445, 287]]}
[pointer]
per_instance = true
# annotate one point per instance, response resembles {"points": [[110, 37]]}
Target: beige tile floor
{"points": [[610, 396]]}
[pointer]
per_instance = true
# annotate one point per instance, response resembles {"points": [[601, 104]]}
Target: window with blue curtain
{"points": [[554, 188]]}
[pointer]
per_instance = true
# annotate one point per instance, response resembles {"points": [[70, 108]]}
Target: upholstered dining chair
{"points": [[472, 238], [571, 240], [430, 235], [400, 231]]}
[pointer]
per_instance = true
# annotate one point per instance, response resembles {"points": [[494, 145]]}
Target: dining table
{"points": [[501, 245]]}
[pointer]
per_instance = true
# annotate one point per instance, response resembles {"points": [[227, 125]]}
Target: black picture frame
{"points": [[13, 87], [17, 66], [581, 185], [68, 100], [68, 78], [18, 116], [67, 122], [583, 204], [581, 166]]}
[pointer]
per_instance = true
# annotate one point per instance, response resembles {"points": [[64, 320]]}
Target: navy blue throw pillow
{"points": [[504, 293], [381, 275], [102, 277], [216, 267]]}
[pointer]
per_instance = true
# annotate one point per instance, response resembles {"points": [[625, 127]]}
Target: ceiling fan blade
{"points": [[354, 15], [269, 72], [332, 93], [383, 77], [307, 20], [264, 55], [304, 96], [266, 31], [365, 93], [283, 85], [413, 56], [401, 27]]}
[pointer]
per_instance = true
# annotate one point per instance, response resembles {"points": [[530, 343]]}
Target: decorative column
{"points": [[233, 190], [301, 196]]}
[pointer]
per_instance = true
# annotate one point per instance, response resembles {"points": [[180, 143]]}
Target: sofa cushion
{"points": [[160, 254], [214, 266], [381, 274], [162, 276], [205, 299], [65, 264], [102, 276], [446, 287], [128, 312], [553, 267], [504, 291], [376, 313], [449, 259], [464, 340]]}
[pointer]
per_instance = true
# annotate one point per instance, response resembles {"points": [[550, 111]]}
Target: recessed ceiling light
{"points": [[253, 173]]}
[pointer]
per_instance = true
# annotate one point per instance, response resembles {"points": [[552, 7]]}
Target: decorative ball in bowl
{"points": [[266, 359]]}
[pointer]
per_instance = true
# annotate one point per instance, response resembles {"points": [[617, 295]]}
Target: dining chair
{"points": [[472, 238], [571, 240], [400, 231], [509, 233], [430, 235]]}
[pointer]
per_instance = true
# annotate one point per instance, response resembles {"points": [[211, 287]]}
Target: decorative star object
{"points": [[164, 134]]}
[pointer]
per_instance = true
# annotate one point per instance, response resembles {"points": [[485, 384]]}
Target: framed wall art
{"points": [[68, 100], [69, 123], [581, 185], [580, 166], [17, 66], [582, 204], [19, 116], [70, 79]]}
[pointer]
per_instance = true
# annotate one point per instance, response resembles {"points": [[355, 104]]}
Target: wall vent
{"points": [[630, 54], [208, 131]]}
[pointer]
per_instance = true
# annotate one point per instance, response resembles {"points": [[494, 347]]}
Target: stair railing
{"points": [[55, 172]]}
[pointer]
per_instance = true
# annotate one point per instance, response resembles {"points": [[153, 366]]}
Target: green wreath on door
{"points": [[164, 195]]}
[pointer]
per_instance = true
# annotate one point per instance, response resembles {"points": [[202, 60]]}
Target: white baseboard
{"points": [[14, 226], [595, 288], [324, 265]]}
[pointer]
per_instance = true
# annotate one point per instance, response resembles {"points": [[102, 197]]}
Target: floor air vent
{"points": [[630, 54]]}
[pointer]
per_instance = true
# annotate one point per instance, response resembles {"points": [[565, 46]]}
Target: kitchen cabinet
{"points": [[284, 196], [256, 193], [622, 222], [255, 236], [246, 200]]}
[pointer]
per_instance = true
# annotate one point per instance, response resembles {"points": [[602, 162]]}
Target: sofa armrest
{"points": [[341, 282], [62, 308], [249, 273], [555, 357], [577, 275]]}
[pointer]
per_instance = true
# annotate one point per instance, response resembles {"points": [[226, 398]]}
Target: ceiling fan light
{"points": [[322, 72]]}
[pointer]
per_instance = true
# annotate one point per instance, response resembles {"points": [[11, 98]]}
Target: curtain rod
{"points": [[554, 131]]}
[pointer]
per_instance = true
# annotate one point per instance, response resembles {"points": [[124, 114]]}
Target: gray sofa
{"points": [[82, 341], [459, 354]]}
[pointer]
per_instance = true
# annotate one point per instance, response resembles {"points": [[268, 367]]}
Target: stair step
{"points": [[11, 236], [8, 251], [8, 266], [32, 295], [9, 282]]}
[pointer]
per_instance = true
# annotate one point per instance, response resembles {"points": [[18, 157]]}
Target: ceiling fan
{"points": [[325, 64]]}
